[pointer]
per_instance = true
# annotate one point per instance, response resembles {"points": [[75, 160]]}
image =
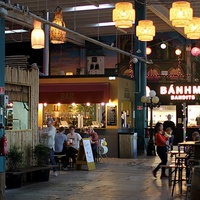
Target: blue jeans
{"points": [[52, 159]]}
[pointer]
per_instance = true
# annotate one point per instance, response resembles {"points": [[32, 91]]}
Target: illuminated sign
{"points": [[180, 92]]}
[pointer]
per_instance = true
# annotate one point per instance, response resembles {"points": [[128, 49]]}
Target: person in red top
{"points": [[160, 140]]}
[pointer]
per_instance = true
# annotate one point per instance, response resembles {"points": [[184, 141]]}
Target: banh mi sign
{"points": [[180, 92]]}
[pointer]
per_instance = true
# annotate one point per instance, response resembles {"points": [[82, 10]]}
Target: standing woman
{"points": [[160, 140], [94, 139]]}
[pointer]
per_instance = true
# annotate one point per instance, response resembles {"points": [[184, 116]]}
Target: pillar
{"points": [[2, 92], [140, 82]]}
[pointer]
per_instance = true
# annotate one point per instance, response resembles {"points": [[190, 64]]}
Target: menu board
{"points": [[88, 151]]}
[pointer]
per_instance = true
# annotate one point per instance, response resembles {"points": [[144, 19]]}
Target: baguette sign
{"points": [[2, 90], [180, 92]]}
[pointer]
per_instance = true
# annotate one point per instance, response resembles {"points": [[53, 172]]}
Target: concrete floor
{"points": [[113, 179]]}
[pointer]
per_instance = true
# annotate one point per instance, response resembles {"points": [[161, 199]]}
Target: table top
{"points": [[188, 143]]}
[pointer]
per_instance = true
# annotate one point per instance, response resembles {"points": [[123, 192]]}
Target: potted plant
{"points": [[41, 154], [14, 163]]}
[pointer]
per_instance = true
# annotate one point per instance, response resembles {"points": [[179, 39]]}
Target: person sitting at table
{"points": [[73, 142], [195, 136], [84, 133], [160, 140], [60, 143]]}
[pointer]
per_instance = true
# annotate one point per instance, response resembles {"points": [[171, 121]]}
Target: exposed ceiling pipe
{"points": [[29, 14]]}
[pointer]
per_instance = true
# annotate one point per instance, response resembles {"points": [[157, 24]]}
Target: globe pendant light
{"points": [[124, 15], [37, 36], [195, 51], [58, 36], [145, 30], [181, 14], [193, 29]]}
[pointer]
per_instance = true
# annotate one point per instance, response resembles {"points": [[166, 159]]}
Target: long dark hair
{"points": [[157, 126]]}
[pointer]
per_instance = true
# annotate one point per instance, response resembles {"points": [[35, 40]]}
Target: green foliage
{"points": [[14, 159], [41, 153]]}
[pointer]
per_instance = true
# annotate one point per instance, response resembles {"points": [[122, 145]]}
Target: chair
{"points": [[180, 164], [102, 150]]}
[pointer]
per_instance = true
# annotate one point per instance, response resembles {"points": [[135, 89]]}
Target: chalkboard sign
{"points": [[85, 155]]}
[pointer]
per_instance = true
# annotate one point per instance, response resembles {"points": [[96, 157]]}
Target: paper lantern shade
{"points": [[192, 30], [58, 36], [180, 14], [145, 30], [123, 15], [37, 36]]}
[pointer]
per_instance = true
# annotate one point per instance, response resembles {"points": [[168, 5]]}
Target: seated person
{"points": [[195, 136], [73, 142], [84, 133], [60, 142], [94, 141]]}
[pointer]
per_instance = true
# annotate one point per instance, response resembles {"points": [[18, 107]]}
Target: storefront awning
{"points": [[77, 93]]}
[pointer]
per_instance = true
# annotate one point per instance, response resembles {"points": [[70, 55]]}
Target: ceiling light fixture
{"points": [[180, 14], [145, 30], [58, 36], [123, 15], [192, 30], [37, 36], [15, 31], [88, 7]]}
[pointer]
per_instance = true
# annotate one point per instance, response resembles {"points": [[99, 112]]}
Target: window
{"points": [[17, 112]]}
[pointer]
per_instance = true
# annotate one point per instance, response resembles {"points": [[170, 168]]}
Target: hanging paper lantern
{"points": [[195, 51], [192, 30], [180, 14], [123, 15], [58, 36], [145, 30], [37, 36]]}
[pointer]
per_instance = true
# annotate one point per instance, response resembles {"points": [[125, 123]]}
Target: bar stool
{"points": [[180, 164]]}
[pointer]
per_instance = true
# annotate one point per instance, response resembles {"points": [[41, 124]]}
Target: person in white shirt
{"points": [[73, 142], [48, 139]]}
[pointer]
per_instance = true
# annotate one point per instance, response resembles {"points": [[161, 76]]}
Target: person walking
{"points": [[48, 139], [171, 124], [160, 140]]}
